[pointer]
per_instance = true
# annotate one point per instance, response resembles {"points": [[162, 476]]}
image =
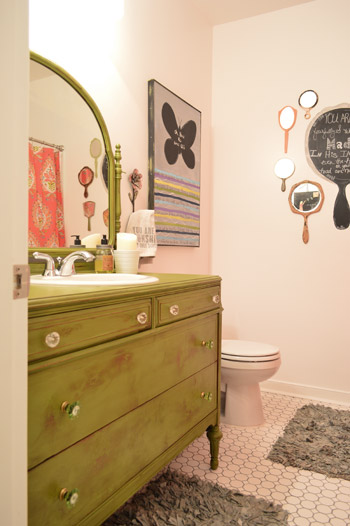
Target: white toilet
{"points": [[244, 365]]}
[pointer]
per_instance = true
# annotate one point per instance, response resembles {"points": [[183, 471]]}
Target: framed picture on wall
{"points": [[174, 128]]}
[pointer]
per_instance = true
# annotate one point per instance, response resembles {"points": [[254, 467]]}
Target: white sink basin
{"points": [[94, 279]]}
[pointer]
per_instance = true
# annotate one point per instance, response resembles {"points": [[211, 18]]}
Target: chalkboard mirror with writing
{"points": [[306, 198], [328, 153]]}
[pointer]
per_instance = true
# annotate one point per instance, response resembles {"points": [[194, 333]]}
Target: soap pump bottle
{"points": [[77, 242], [104, 256]]}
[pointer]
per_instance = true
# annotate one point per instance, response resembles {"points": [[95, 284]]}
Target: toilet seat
{"points": [[247, 351]]}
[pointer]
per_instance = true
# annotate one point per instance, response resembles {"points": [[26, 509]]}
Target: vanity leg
{"points": [[214, 435]]}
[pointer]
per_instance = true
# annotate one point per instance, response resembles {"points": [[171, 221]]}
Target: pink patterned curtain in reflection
{"points": [[46, 222]]}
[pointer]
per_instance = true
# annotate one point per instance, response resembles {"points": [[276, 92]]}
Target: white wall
{"points": [[275, 288], [13, 221], [158, 39]]}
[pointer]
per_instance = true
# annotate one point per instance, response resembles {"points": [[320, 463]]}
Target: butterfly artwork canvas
{"points": [[174, 167]]}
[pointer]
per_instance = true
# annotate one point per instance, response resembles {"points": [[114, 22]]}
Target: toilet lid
{"points": [[240, 350]]}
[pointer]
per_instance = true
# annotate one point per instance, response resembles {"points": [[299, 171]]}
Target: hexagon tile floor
{"points": [[312, 499]]}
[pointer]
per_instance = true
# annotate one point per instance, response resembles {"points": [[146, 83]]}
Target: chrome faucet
{"points": [[50, 263], [66, 266]]}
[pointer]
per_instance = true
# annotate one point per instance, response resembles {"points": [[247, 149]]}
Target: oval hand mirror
{"points": [[286, 118], [307, 100], [306, 198], [95, 152], [85, 177], [284, 168]]}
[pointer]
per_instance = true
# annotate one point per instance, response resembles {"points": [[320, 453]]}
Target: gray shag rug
{"points": [[317, 439], [173, 499]]}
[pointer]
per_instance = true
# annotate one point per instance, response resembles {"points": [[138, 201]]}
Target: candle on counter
{"points": [[126, 241]]}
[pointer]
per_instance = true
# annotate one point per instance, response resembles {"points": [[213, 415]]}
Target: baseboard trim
{"points": [[333, 396]]}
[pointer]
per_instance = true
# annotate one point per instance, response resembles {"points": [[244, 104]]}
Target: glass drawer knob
{"points": [[142, 318], [72, 409], [52, 339], [174, 310], [207, 396], [209, 344], [216, 298], [70, 497]]}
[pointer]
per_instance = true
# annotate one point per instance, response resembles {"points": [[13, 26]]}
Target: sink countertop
{"points": [[53, 298]]}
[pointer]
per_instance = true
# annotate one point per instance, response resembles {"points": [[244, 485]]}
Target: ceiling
{"points": [[222, 11]]}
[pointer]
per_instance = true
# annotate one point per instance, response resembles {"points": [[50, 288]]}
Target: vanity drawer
{"points": [[175, 307], [101, 463], [109, 380], [62, 333]]}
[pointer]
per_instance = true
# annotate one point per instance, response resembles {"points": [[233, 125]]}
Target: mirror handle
{"points": [[286, 132], [305, 230], [341, 212]]}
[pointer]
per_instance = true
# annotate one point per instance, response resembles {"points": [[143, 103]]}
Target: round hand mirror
{"points": [[306, 198], [286, 118], [284, 168], [307, 100]]}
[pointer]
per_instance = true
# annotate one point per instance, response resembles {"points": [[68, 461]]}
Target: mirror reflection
{"points": [[284, 168], [286, 118], [307, 100], [65, 142], [306, 198]]}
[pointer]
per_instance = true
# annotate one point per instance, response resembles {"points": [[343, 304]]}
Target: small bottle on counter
{"points": [[77, 242], [104, 261]]}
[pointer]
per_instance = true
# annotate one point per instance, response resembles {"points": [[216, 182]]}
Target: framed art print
{"points": [[174, 167]]}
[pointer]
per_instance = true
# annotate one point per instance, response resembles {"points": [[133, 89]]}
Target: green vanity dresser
{"points": [[121, 380]]}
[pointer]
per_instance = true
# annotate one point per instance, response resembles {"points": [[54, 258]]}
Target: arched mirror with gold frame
{"points": [[306, 198], [61, 97]]}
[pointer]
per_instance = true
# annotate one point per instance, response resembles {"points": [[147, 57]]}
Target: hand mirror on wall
{"points": [[306, 198], [95, 152], [105, 172], [328, 153], [286, 118], [85, 177], [307, 100], [284, 168]]}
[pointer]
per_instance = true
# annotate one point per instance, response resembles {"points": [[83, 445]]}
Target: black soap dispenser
{"points": [[104, 256], [77, 242]]}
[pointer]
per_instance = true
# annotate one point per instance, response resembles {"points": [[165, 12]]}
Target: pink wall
{"points": [[175, 50], [275, 288], [166, 41]]}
